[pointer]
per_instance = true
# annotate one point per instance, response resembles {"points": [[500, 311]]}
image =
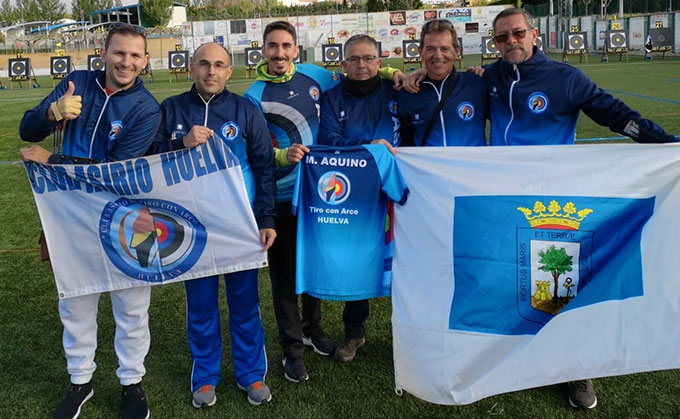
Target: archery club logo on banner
{"points": [[554, 259], [151, 239], [333, 188]]}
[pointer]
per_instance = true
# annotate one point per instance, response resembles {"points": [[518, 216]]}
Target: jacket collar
{"points": [[537, 59], [101, 81], [196, 97]]}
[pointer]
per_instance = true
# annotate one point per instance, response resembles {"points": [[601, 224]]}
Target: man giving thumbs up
{"points": [[66, 107], [117, 122], [119, 116]]}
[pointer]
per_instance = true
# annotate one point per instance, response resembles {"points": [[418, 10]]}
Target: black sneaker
{"points": [[320, 343], [582, 394], [135, 405], [294, 370], [75, 398]]}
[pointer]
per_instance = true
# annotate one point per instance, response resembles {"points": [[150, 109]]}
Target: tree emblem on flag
{"points": [[554, 258], [556, 262]]}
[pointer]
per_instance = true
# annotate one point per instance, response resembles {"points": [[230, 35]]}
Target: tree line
{"points": [[157, 12]]}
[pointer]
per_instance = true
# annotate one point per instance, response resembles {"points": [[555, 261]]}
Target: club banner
{"points": [[519, 267], [146, 221]]}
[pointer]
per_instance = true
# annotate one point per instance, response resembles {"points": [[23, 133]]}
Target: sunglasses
{"points": [[368, 59], [120, 25], [503, 37]]}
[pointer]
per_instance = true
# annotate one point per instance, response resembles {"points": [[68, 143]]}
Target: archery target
{"points": [[540, 41], [301, 56], [662, 38], [576, 41], [60, 66], [410, 49], [178, 60], [18, 68], [331, 53], [616, 40], [253, 56], [95, 63], [489, 46]]}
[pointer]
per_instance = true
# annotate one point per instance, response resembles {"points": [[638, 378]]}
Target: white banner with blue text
{"points": [[519, 267], [151, 220]]}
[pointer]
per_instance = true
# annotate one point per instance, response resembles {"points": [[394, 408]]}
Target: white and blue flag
{"points": [[518, 267], [151, 220]]}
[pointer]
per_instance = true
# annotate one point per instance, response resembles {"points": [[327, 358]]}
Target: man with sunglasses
{"points": [[190, 119], [362, 109], [460, 118], [109, 116], [536, 101]]}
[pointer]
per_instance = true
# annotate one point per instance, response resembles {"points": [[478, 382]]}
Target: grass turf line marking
{"points": [[657, 99], [20, 250]]}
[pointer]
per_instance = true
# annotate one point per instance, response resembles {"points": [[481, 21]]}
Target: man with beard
{"points": [[536, 101], [289, 96]]}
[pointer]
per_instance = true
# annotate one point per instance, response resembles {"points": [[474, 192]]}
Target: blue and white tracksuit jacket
{"points": [[537, 102], [112, 127], [352, 120], [461, 121], [239, 123], [291, 109]]}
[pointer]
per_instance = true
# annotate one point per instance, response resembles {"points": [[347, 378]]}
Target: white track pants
{"points": [[130, 312]]}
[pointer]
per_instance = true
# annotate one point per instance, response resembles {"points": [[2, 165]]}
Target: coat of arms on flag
{"points": [[519, 265], [554, 257]]}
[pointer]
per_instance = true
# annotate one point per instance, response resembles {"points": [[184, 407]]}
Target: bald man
{"points": [[188, 120]]}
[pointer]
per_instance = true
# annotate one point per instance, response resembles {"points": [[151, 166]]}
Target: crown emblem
{"points": [[556, 217]]}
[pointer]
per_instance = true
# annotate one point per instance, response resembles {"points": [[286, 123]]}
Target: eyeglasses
{"points": [[368, 59], [218, 65], [503, 37], [120, 25]]}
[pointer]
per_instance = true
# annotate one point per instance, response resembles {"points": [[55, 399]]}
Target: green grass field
{"points": [[32, 365]]}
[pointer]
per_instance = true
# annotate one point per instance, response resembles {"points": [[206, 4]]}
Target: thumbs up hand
{"points": [[66, 107]]}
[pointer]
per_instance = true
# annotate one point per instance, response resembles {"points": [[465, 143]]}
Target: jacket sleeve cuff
{"points": [[387, 73], [280, 157], [266, 221], [57, 159], [177, 144]]}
